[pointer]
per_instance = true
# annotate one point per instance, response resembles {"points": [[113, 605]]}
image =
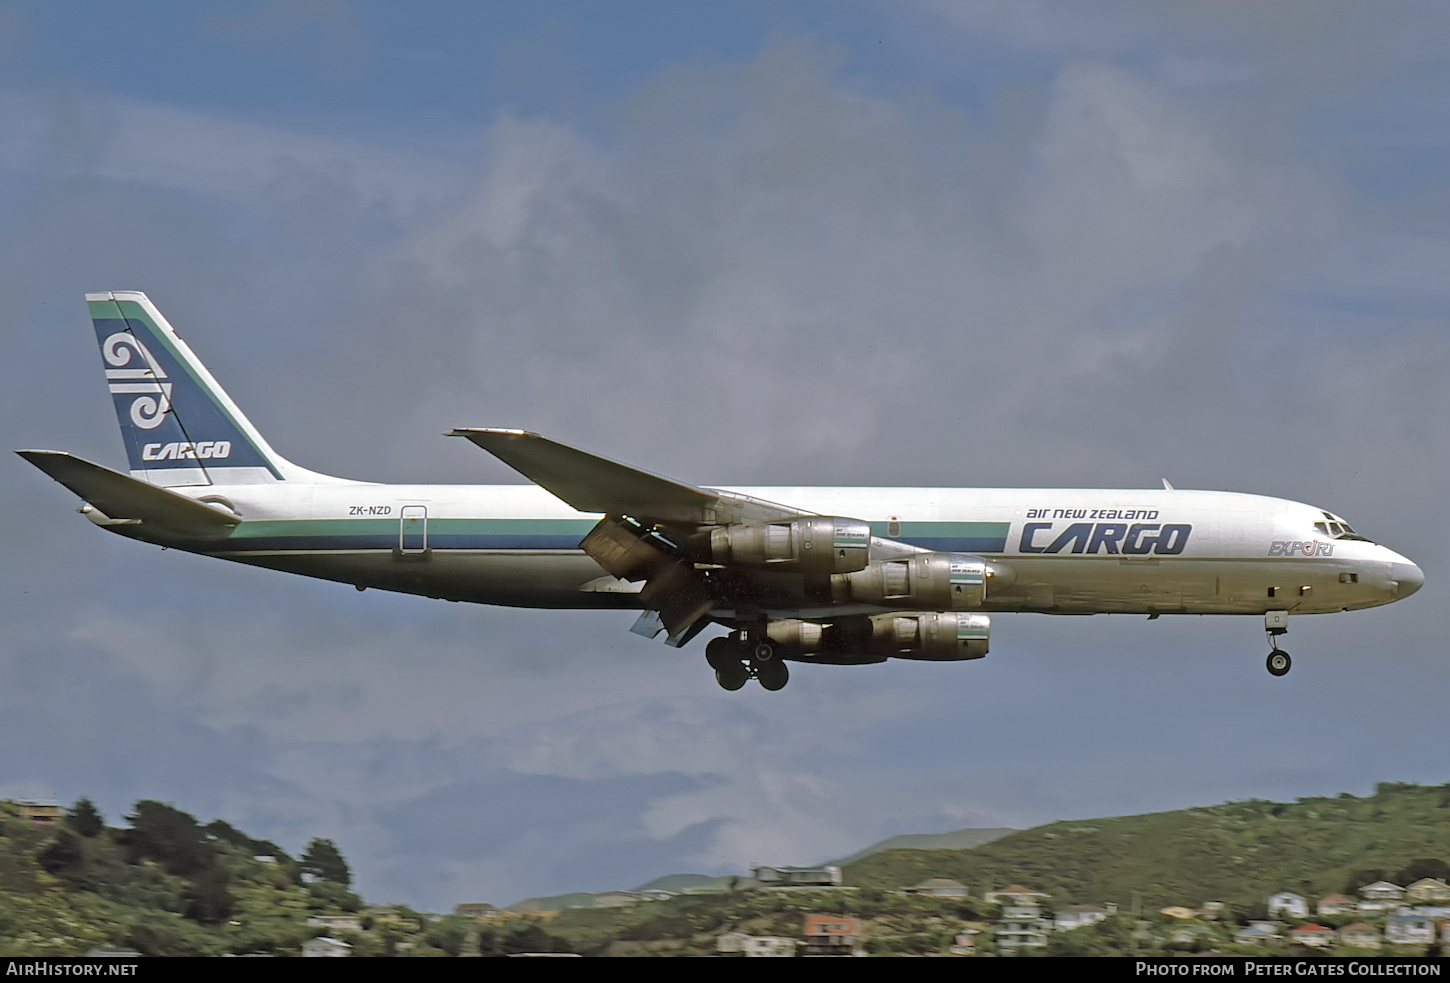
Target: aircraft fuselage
{"points": [[1072, 551]]}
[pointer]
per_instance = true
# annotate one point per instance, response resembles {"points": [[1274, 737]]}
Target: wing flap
{"points": [[122, 497]]}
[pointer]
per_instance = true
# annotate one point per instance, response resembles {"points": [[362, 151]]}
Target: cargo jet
{"points": [[841, 576]]}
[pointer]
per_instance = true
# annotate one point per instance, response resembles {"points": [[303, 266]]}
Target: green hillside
{"points": [[1238, 852], [957, 839], [168, 886]]}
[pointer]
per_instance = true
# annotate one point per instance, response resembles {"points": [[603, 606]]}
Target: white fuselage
{"points": [[1070, 551]]}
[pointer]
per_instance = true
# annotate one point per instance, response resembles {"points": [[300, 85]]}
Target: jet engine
{"points": [[817, 545], [935, 636], [924, 581]]}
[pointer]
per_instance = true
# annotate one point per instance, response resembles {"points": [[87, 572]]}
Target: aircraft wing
{"points": [[641, 512], [591, 483]]}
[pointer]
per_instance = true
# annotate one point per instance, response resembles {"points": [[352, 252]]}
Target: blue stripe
{"points": [[388, 542], [568, 541]]}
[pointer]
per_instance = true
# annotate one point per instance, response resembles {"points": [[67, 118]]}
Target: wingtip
{"points": [[502, 431]]}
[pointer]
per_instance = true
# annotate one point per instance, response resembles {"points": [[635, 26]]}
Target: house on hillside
{"points": [[1428, 889], [1022, 926], [476, 909], [829, 876], [756, 946], [1078, 916], [1288, 904], [1380, 896], [1337, 904], [40, 813], [965, 944], [1318, 936], [938, 887], [1017, 894], [1257, 935], [1360, 935], [324, 947], [831, 935], [1409, 930]]}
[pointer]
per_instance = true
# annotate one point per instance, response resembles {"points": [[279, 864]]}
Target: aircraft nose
{"points": [[1408, 576]]}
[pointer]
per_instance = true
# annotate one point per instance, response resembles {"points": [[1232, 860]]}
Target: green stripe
{"points": [[945, 530], [374, 526]]}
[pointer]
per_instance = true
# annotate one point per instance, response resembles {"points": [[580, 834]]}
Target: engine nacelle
{"points": [[935, 636], [797, 636], [924, 581], [816, 544]]}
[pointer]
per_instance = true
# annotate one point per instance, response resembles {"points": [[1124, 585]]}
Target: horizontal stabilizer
{"points": [[590, 483], [121, 497]]}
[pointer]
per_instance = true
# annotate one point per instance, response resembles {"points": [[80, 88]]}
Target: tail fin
{"points": [[179, 426]]}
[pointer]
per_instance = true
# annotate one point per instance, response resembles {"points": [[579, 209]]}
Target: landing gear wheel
{"points": [[762, 652], [723, 653], [773, 675], [732, 677], [1278, 662]]}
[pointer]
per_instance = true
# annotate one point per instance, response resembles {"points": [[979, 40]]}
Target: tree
{"points": [[209, 901], [1424, 867], [63, 854], [170, 837], [85, 818], [322, 859], [1362, 877]]}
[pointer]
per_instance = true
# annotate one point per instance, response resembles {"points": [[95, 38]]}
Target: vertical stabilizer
{"points": [[180, 427]]}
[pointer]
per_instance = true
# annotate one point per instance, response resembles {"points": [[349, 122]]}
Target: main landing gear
{"points": [[1276, 623], [737, 660]]}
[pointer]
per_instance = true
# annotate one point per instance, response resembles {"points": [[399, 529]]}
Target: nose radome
{"points": [[1408, 576]]}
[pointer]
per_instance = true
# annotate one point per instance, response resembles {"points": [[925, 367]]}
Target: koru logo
{"points": [[149, 408]]}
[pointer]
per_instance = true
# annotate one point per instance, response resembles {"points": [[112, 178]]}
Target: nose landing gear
{"points": [[736, 660], [1276, 623]]}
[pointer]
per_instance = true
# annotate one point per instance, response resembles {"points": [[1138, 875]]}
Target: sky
{"points": [[1019, 243]]}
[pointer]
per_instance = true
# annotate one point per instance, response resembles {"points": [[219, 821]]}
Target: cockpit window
{"points": [[1337, 528]]}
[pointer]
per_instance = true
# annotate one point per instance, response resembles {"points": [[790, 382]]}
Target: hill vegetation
{"points": [[1238, 852], [164, 886], [167, 885]]}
